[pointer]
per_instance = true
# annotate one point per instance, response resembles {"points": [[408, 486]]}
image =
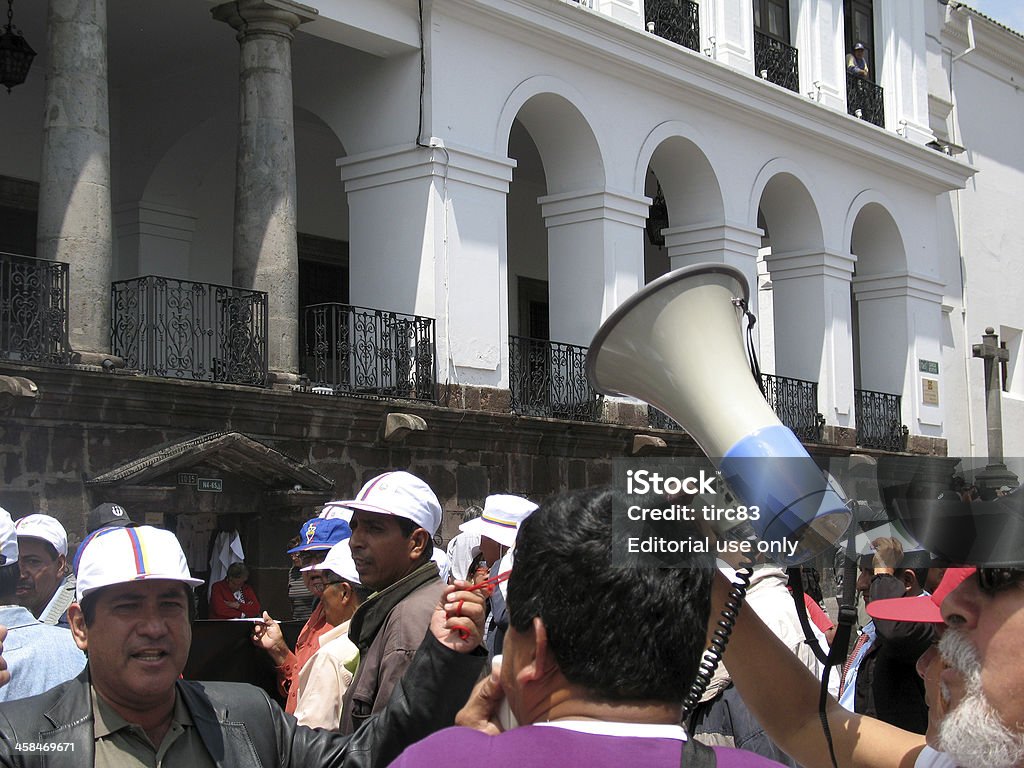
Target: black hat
{"points": [[108, 515]]}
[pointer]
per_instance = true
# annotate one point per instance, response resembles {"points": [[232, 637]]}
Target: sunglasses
{"points": [[993, 580]]}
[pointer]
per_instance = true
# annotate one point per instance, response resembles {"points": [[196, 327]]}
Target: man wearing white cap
{"points": [[47, 586], [324, 679], [39, 656], [497, 527], [130, 707], [394, 517]]}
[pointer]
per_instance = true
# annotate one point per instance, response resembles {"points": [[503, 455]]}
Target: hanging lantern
{"points": [[15, 53], [657, 219]]}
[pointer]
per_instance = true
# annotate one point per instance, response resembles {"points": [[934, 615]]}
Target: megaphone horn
{"points": [[678, 345]]}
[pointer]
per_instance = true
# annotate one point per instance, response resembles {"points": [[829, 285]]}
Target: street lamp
{"points": [[15, 53]]}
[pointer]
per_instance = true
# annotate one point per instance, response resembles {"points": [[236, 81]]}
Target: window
{"points": [[771, 17], [18, 203], [533, 308], [859, 20]]}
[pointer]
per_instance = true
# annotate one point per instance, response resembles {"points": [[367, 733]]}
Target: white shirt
{"points": [[932, 758]]}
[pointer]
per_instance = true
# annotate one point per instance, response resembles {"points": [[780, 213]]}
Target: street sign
{"points": [[209, 484]]}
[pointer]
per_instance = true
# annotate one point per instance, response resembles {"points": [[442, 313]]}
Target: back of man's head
{"points": [[624, 633]]}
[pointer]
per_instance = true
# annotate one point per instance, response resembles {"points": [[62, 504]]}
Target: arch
{"points": [[560, 128], [693, 193], [180, 172], [785, 197], [873, 236]]}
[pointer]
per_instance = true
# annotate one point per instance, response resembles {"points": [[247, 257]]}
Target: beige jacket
{"points": [[324, 679]]}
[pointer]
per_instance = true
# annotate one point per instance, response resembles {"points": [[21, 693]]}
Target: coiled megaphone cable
{"points": [[720, 638]]}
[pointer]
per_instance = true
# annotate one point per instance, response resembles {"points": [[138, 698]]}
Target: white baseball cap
{"points": [[46, 528], [122, 555], [501, 518], [402, 495], [338, 561], [8, 539], [336, 509]]}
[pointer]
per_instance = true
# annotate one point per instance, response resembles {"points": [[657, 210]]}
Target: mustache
{"points": [[959, 653]]}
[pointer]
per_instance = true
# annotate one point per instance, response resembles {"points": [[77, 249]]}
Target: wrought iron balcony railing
{"points": [[657, 419], [879, 421], [865, 100], [547, 378], [33, 310], [365, 352], [795, 402], [776, 62], [181, 329], [675, 20]]}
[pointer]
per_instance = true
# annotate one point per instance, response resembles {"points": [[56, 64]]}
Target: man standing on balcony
{"points": [[857, 62], [396, 515]]}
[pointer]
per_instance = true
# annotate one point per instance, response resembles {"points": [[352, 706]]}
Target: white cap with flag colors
{"points": [[123, 555]]}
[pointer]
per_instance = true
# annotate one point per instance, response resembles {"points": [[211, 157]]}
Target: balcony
{"points": [[362, 352], [879, 421], [180, 329], [675, 20], [548, 378], [776, 62], [865, 100], [795, 402], [33, 310]]}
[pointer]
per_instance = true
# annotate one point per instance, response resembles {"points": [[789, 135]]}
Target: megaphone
{"points": [[678, 345]]}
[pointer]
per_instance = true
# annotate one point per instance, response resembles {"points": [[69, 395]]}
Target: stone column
{"points": [[265, 249], [595, 258], [720, 242], [74, 222], [454, 268], [900, 323], [811, 296]]}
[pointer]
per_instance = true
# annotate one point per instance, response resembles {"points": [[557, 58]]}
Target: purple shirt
{"points": [[546, 745]]}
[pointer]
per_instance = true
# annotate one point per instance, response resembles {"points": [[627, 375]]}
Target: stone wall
{"points": [[86, 422]]}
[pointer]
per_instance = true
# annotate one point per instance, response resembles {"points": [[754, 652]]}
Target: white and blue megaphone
{"points": [[678, 345]]}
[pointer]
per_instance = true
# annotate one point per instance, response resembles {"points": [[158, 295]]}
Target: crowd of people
{"points": [[538, 649]]}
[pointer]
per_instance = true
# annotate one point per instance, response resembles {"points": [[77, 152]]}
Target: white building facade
{"points": [[491, 165]]}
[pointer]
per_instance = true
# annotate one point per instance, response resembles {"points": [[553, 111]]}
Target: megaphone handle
{"points": [[720, 638], [752, 361]]}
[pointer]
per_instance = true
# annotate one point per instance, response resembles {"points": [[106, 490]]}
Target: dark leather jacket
{"points": [[240, 726]]}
